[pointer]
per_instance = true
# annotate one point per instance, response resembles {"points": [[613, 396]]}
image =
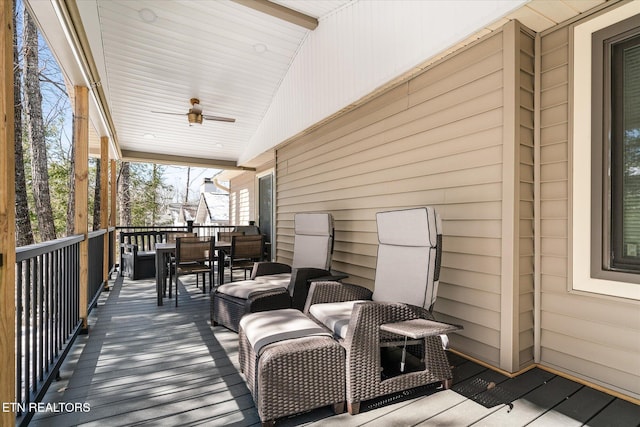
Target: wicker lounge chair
{"points": [[275, 285], [406, 282]]}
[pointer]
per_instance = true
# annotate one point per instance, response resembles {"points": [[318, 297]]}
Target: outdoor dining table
{"points": [[165, 250]]}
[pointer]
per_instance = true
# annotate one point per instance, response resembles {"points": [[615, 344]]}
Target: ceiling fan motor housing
{"points": [[194, 118]]}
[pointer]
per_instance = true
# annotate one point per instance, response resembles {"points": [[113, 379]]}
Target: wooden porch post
{"points": [[113, 205], [81, 166], [104, 208], [7, 221]]}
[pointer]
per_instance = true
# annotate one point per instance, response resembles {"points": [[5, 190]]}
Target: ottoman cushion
{"points": [[264, 328]]}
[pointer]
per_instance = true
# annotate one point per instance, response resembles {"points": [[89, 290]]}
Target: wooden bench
{"points": [[138, 253]]}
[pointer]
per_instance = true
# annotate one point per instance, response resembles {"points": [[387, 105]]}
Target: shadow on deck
{"points": [[147, 365]]}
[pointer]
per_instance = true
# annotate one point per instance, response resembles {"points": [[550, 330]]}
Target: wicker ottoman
{"points": [[292, 368]]}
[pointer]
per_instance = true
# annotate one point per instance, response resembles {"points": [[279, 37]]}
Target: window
{"points": [[615, 176], [625, 155], [592, 222]]}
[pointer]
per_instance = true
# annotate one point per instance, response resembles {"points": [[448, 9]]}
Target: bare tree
{"points": [[24, 232], [96, 199], [124, 194], [71, 203], [186, 197], [35, 127]]}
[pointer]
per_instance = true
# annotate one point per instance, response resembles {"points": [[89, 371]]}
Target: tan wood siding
{"points": [[593, 337], [434, 140]]}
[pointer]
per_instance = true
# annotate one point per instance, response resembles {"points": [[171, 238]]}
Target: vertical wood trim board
{"points": [[510, 209], [7, 216], [104, 204], [81, 168]]}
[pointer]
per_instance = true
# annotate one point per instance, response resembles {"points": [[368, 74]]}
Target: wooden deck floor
{"points": [[165, 366]]}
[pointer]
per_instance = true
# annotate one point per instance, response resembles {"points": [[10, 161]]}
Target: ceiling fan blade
{"points": [[173, 114], [218, 118]]}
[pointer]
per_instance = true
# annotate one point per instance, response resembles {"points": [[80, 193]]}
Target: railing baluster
{"points": [[40, 314], [65, 296], [19, 329], [27, 331], [57, 309], [33, 374], [48, 329]]}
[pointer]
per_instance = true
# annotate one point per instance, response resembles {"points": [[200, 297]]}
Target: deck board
{"points": [[144, 365], [618, 413], [533, 404], [577, 409]]}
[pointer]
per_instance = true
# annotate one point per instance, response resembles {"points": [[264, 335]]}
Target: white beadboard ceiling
{"points": [[154, 55]]}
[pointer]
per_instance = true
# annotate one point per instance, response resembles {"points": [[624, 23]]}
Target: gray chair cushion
{"points": [[312, 242], [407, 252], [402, 274], [268, 327], [410, 227], [335, 316], [245, 288], [273, 278]]}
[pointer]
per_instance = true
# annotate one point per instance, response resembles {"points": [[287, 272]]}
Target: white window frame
{"points": [[581, 159]]}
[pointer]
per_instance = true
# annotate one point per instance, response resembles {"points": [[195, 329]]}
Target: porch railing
{"points": [[96, 265], [202, 230], [47, 309]]}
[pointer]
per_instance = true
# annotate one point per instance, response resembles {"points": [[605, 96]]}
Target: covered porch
{"points": [[144, 364], [480, 126]]}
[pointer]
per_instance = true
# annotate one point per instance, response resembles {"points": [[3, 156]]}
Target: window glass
{"points": [[625, 155]]}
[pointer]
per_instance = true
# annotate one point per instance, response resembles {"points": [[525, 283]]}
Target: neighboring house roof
{"points": [[189, 212], [213, 207], [183, 212]]}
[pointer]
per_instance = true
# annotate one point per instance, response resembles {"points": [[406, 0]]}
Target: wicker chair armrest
{"points": [[301, 279], [265, 268], [268, 300], [367, 316], [323, 292]]}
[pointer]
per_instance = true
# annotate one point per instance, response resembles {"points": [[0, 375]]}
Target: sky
{"points": [[176, 176]]}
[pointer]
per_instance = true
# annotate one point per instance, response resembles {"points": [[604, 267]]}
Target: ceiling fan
{"points": [[195, 116]]}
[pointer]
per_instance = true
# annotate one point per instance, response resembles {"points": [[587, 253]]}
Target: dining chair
{"points": [[195, 255], [245, 251], [170, 237]]}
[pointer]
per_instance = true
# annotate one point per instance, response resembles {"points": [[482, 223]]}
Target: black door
{"points": [[265, 207]]}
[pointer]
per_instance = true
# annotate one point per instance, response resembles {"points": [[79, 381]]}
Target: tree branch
{"points": [[62, 88]]}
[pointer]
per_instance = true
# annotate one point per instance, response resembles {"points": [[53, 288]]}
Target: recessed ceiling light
{"points": [[149, 136], [147, 15], [260, 48], [218, 145]]}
